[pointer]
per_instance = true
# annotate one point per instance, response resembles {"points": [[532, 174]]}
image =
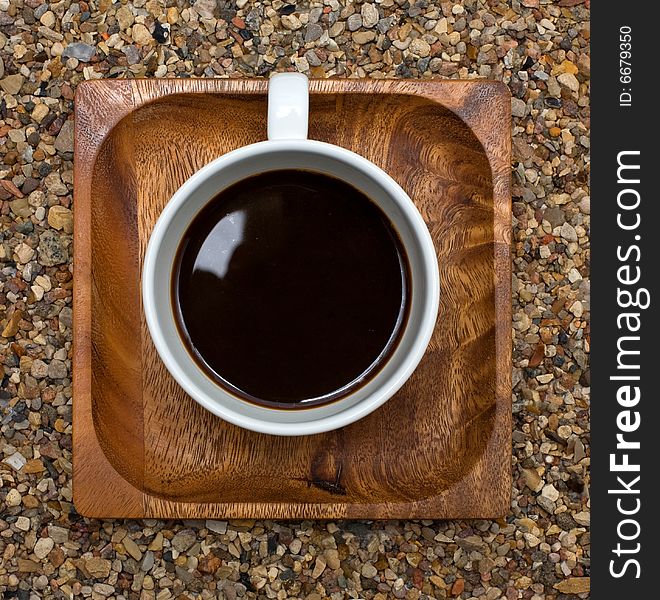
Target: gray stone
{"points": [[312, 58], [518, 107], [64, 140], [217, 526], [315, 14], [471, 543], [183, 574], [546, 504], [66, 316], [16, 461], [384, 25], [370, 15], [57, 369], [565, 521], [550, 492], [205, 8], [313, 32], [58, 534], [568, 232], [132, 54], [147, 561], [555, 216], [104, 589], [40, 10], [183, 540], [83, 52], [354, 22], [52, 251], [570, 81], [585, 205]]}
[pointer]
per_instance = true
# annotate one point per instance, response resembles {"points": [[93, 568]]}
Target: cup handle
{"points": [[288, 106]]}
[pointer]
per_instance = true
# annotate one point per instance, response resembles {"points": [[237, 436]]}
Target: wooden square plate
{"points": [[440, 448]]}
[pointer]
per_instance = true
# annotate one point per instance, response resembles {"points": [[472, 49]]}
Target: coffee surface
{"points": [[290, 288]]}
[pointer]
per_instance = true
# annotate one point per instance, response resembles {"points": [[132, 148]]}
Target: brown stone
{"points": [[67, 92], [11, 328], [11, 188], [30, 502], [33, 466], [131, 547], [49, 450], [537, 357], [97, 567], [56, 557], [12, 84], [17, 349], [61, 218], [141, 35], [458, 587], [532, 480], [209, 564], [574, 585], [28, 566]]}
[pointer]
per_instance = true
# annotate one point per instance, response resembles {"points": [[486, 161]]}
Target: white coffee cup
{"points": [[287, 147]]}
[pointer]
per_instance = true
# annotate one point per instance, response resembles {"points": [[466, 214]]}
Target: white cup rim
{"points": [[313, 425]]}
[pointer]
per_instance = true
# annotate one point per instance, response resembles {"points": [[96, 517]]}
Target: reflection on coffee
{"points": [[291, 288]]}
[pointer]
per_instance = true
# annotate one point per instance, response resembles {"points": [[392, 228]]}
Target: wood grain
{"points": [[439, 449]]}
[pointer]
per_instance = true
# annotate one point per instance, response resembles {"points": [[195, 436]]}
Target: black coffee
{"points": [[291, 288]]}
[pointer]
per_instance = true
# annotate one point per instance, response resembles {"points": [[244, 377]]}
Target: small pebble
{"points": [[550, 492], [79, 51], [13, 498], [184, 540], [354, 22], [43, 547], [319, 567], [217, 526], [141, 35], [370, 16]]}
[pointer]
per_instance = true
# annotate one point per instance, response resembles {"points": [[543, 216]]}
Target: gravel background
{"points": [[540, 49]]}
